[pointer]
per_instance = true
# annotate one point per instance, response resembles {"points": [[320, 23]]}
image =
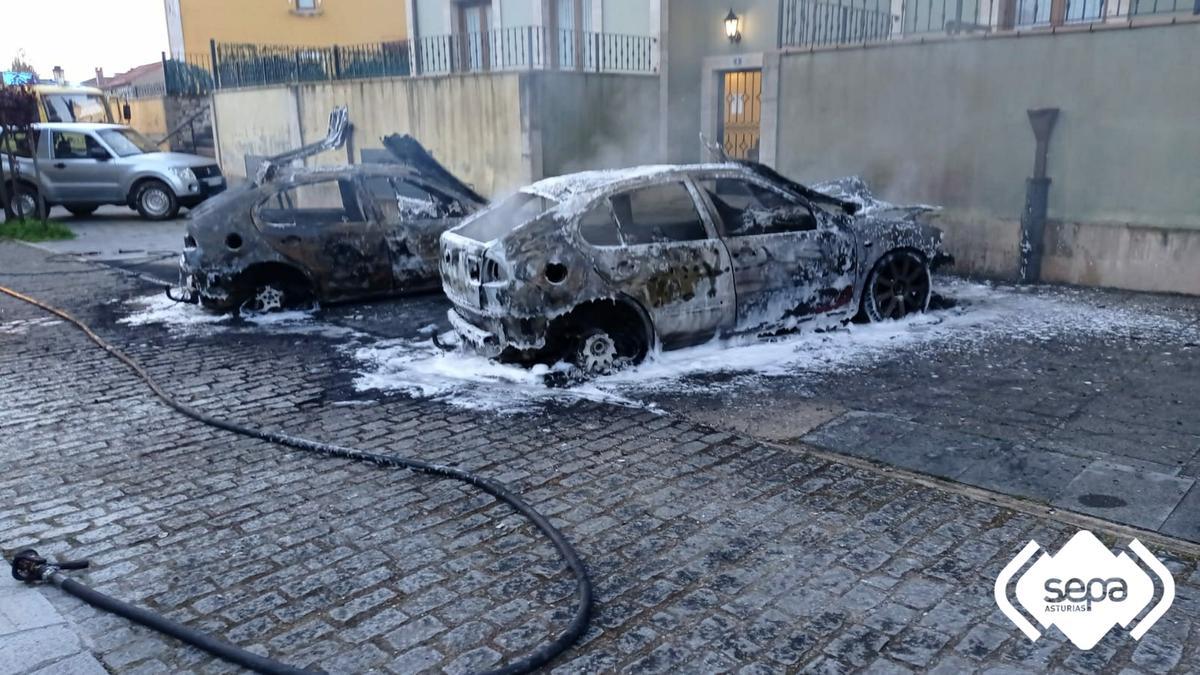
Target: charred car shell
{"points": [[602, 266], [325, 234]]}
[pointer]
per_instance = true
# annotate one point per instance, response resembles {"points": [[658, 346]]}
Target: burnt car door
{"points": [[413, 215], [669, 259], [789, 260], [320, 223]]}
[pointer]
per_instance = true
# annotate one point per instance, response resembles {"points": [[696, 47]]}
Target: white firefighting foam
{"points": [[986, 317]]}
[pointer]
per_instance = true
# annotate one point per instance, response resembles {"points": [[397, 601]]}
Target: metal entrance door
{"points": [[741, 112]]}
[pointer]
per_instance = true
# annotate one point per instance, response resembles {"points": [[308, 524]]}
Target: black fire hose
{"points": [[29, 567]]}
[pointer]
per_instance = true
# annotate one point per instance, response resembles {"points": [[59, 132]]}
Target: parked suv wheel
{"points": [[24, 200], [156, 201]]}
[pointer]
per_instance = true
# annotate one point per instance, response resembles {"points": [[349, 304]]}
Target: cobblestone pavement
{"points": [[711, 550]]}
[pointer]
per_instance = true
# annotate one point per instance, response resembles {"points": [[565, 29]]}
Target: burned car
{"points": [[304, 235], [600, 267]]}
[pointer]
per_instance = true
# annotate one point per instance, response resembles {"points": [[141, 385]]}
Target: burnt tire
{"points": [[155, 200], [276, 296], [24, 200], [898, 285], [602, 351], [81, 211]]}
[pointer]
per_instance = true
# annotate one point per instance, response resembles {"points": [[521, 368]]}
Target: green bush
{"points": [[30, 229]]}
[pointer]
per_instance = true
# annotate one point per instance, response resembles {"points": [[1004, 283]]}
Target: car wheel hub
{"points": [[599, 354], [267, 299], [156, 201], [25, 205]]}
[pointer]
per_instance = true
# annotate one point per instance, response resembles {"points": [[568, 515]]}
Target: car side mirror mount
{"points": [[99, 154]]}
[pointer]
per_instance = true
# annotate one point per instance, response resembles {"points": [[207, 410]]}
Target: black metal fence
{"points": [[189, 76], [816, 23], [535, 47], [515, 48]]}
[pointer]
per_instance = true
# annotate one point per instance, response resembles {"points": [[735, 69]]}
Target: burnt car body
{"points": [[303, 235], [600, 267]]}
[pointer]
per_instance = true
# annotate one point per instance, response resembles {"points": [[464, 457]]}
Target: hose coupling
{"points": [[31, 568]]}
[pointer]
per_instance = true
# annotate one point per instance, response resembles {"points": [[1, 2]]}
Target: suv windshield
{"points": [[75, 108], [126, 142], [505, 216]]}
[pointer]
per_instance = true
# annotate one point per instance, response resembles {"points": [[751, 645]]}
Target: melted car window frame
{"points": [[632, 233], [601, 205], [351, 213], [755, 190]]}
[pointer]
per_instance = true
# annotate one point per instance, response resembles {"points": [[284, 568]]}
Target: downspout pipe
{"points": [[1037, 191]]}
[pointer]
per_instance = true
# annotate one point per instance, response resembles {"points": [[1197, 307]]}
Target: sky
{"points": [[82, 35]]}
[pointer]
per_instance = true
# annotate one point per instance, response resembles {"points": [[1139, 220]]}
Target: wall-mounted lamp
{"points": [[732, 30]]}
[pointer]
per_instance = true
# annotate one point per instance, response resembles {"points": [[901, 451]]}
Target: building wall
{"points": [[694, 31], [149, 116], [471, 123], [275, 22], [595, 121], [945, 123], [496, 131]]}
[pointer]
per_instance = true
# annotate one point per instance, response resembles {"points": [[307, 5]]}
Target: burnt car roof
{"points": [[585, 183], [574, 187], [410, 158]]}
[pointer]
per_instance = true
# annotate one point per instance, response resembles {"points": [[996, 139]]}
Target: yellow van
{"points": [[75, 104]]}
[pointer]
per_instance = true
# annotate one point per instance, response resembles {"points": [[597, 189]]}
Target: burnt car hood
{"points": [[854, 190], [408, 151]]}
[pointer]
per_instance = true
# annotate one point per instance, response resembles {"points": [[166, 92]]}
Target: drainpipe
{"points": [[1037, 190]]}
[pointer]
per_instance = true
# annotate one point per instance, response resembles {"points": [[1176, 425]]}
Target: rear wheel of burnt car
{"points": [[155, 200], [899, 285], [275, 297], [604, 338], [595, 352]]}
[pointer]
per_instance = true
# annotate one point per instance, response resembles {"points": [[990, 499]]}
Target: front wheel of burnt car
{"points": [[900, 284]]}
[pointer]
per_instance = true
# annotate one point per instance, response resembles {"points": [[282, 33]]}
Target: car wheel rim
{"points": [[900, 287], [156, 201], [25, 205], [267, 299], [598, 354]]}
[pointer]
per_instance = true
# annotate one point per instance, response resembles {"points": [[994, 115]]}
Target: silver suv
{"points": [[86, 165]]}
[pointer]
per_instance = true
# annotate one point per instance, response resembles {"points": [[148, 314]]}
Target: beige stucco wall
{"points": [[149, 116], [471, 123], [254, 122], [946, 123]]}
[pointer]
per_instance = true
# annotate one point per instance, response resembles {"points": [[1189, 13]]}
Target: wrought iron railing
{"points": [[535, 47], [815, 23], [516, 48], [188, 76]]}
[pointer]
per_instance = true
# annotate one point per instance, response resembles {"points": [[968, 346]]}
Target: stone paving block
{"points": [[1112, 491], [24, 607], [79, 664], [1184, 521], [1037, 473], [31, 649]]}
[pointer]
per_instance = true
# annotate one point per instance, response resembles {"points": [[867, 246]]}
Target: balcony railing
{"points": [[506, 49], [817, 23], [535, 48]]}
